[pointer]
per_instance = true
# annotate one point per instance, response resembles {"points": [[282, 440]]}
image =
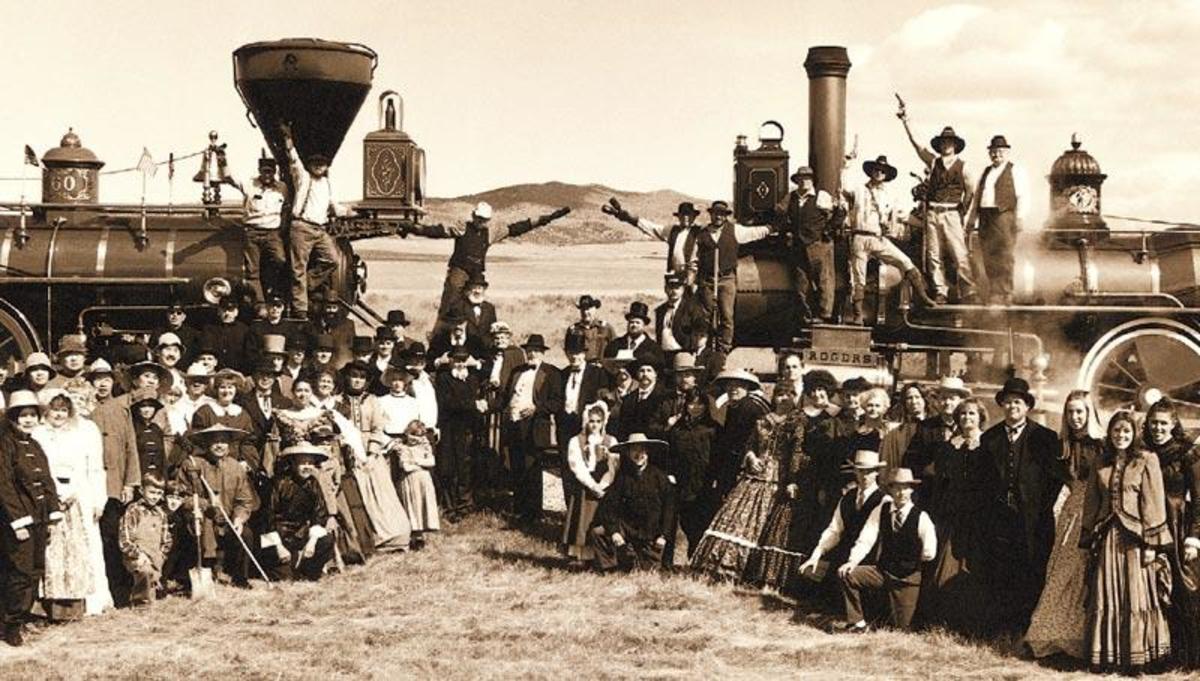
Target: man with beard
{"points": [[642, 410], [596, 332], [479, 312], [635, 340], [329, 319]]}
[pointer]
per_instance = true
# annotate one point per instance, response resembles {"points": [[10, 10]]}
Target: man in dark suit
{"points": [[932, 433], [188, 335], [498, 367], [456, 337], [273, 324], [533, 397], [399, 323], [479, 312], [646, 408], [677, 319], [1026, 476], [229, 338], [635, 339], [329, 318], [581, 382], [260, 404]]}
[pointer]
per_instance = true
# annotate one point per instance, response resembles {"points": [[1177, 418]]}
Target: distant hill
{"points": [[585, 223]]}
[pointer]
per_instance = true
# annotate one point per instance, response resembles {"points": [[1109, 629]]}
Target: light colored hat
{"points": [[638, 439], [953, 384], [39, 359], [903, 476], [274, 344], [217, 430], [483, 210], [304, 448], [198, 370], [20, 399], [99, 368], [499, 327], [824, 200], [685, 362], [739, 375], [865, 459], [71, 344], [169, 338], [622, 360]]}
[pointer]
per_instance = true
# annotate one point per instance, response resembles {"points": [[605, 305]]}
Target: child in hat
{"points": [[145, 539], [300, 519], [152, 442], [412, 464]]}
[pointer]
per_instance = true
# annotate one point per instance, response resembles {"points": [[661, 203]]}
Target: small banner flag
{"points": [[146, 163], [30, 157]]}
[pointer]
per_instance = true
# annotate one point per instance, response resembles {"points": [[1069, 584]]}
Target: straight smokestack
{"points": [[827, 67]]}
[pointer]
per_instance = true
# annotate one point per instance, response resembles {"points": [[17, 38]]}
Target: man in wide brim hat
{"points": [[216, 432], [686, 209], [638, 440], [535, 342], [748, 379], [902, 477], [947, 135], [685, 363], [801, 173], [953, 385], [304, 449], [880, 164], [587, 302], [1018, 387], [867, 460]]}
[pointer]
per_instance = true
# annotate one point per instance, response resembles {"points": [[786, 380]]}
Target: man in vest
{"points": [[810, 218], [716, 257], [950, 187], [471, 244], [902, 537], [873, 217], [307, 234], [849, 515], [596, 332], [263, 252], [1000, 204], [679, 237]]}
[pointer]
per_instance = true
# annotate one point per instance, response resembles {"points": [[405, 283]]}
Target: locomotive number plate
{"points": [[853, 358]]}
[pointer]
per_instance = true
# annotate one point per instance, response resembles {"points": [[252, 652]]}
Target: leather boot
{"points": [[856, 306], [13, 635], [917, 281]]}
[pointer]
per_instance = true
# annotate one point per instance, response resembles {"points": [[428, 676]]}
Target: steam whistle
{"points": [[213, 172]]}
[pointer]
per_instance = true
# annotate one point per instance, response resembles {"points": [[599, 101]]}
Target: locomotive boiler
{"points": [[74, 264], [1109, 309]]}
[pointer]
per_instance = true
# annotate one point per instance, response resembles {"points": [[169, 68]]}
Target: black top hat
{"points": [[356, 365], [881, 163], [1018, 387], [686, 208], [266, 161], [362, 345], [296, 344], [801, 173], [323, 341], [998, 142], [719, 207], [535, 342], [586, 301], [574, 343], [175, 305], [477, 279], [396, 318], [265, 366], [638, 310], [948, 134], [454, 316], [384, 333]]}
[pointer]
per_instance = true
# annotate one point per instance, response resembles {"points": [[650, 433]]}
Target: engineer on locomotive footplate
{"points": [[950, 192], [811, 220], [263, 257], [999, 206], [679, 237], [307, 234]]}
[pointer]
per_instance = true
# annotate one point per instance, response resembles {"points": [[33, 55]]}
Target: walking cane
{"points": [[238, 535]]}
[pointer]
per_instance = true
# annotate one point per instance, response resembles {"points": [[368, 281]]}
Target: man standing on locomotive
{"points": [[263, 201], [307, 234], [809, 216], [1000, 204], [950, 192], [679, 237]]}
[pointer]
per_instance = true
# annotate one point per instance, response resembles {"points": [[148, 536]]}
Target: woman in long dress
{"points": [[384, 417], [1058, 624], [1179, 462], [1125, 528], [76, 581], [957, 593], [414, 461], [725, 548], [594, 468]]}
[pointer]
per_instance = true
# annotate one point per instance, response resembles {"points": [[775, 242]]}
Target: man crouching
{"points": [[637, 512], [300, 522]]}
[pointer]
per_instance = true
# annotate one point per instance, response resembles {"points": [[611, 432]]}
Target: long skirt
{"points": [[581, 509], [1126, 625], [99, 598], [786, 542], [389, 520], [69, 573], [419, 497], [356, 541], [724, 550], [959, 594], [1059, 623]]}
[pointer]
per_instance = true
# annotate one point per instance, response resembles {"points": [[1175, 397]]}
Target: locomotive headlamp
{"points": [[217, 288]]}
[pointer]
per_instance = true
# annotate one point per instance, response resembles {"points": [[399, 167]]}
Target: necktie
{"points": [[896, 520], [860, 499], [574, 379]]}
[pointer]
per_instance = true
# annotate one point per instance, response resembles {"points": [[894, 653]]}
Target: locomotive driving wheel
{"points": [[16, 334], [1139, 362]]}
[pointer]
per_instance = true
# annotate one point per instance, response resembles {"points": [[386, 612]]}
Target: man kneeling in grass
{"points": [[637, 512]]}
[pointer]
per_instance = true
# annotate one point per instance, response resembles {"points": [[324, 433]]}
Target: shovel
{"points": [[200, 576]]}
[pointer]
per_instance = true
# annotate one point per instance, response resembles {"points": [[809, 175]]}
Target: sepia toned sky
{"points": [[632, 94]]}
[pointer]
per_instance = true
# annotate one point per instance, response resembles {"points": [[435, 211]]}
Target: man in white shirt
{"points": [[849, 515], [307, 234], [1000, 205], [263, 251], [902, 537], [534, 396], [679, 237]]}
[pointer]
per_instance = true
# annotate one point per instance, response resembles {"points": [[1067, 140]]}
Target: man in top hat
{"points": [[297, 543], [596, 332], [716, 257], [998, 208], [362, 349], [229, 337], [457, 392], [381, 358], [931, 435], [313, 252], [322, 354], [263, 202], [177, 323], [480, 313], [678, 318], [680, 237], [456, 335], [902, 538], [1027, 474], [272, 325], [638, 510], [873, 217], [849, 516], [330, 318], [949, 192], [581, 382], [399, 323], [471, 244], [811, 221], [533, 397], [260, 405], [635, 339]]}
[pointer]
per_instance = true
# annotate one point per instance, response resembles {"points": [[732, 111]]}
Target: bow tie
{"points": [[574, 370]]}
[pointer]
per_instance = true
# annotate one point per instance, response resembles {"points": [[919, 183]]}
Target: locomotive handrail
{"points": [[137, 208], [95, 281]]}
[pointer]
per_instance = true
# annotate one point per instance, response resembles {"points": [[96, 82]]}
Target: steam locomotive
{"points": [[72, 264], [1113, 311]]}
